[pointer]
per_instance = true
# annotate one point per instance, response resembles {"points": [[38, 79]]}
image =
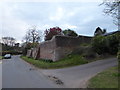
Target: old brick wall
{"points": [[58, 47], [47, 49], [65, 41], [29, 53], [34, 52], [65, 45]]}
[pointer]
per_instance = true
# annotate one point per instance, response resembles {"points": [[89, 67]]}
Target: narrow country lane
{"points": [[16, 73]]}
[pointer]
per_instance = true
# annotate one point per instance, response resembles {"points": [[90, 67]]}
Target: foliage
{"points": [[106, 44], [31, 45], [105, 79], [113, 43], [32, 39], [99, 44], [8, 41], [6, 48], [27, 46], [69, 32], [70, 60], [10, 48], [49, 33]]}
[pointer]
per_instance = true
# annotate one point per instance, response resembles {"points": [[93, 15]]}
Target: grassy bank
{"points": [[70, 60], [1, 57], [105, 79]]}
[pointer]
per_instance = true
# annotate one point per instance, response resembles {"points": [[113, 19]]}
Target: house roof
{"points": [[110, 33]]}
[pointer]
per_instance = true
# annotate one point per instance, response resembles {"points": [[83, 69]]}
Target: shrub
{"points": [[69, 32], [99, 44], [52, 32], [113, 43], [106, 44]]}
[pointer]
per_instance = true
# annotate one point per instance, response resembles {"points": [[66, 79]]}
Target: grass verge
{"points": [[68, 61], [105, 79], [1, 57]]}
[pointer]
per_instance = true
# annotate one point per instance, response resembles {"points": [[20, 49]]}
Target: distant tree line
{"points": [[8, 41], [9, 45]]}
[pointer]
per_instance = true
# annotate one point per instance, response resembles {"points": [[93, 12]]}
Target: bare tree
{"points": [[26, 38], [33, 36], [113, 9], [9, 41]]}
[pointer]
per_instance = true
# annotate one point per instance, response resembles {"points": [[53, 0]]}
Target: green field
{"points": [[105, 79]]}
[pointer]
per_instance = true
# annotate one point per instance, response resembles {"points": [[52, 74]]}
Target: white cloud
{"points": [[81, 17], [12, 25], [73, 11], [57, 15], [87, 19], [52, 0], [68, 26], [43, 27]]}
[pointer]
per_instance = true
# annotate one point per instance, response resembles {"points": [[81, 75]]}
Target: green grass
{"points": [[105, 79], [68, 61], [85, 44], [1, 57]]}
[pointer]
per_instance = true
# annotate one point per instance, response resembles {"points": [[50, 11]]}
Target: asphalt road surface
{"points": [[78, 76], [16, 73]]}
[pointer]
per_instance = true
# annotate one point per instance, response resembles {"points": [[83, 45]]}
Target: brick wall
{"points": [[58, 47]]}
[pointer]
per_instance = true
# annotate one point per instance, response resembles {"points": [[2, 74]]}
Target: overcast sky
{"points": [[82, 17]]}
